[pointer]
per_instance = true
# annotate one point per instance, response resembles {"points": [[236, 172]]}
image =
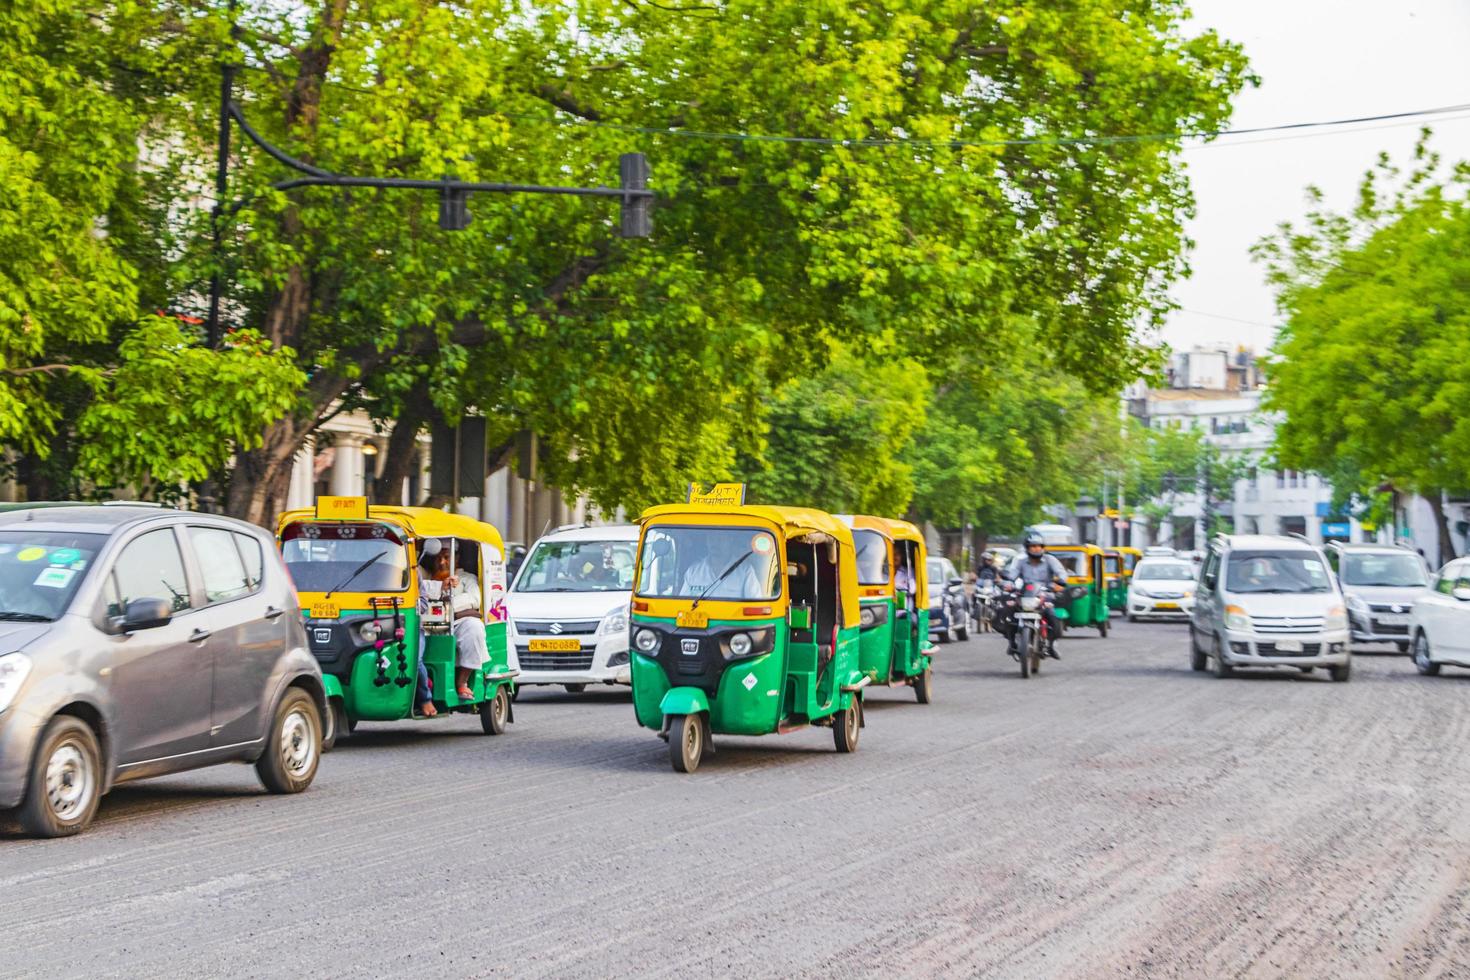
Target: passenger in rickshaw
{"points": [[468, 627]]}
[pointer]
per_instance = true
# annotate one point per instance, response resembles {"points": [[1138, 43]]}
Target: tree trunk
{"points": [[401, 458], [262, 476], [1442, 525]]}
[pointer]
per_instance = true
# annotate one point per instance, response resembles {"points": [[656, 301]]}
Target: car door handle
{"points": [[199, 636], [271, 612]]}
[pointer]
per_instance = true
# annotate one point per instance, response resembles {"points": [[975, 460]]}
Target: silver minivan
{"points": [[137, 641], [1265, 601]]}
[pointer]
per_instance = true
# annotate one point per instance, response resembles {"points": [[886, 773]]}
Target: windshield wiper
{"points": [[722, 576], [355, 573], [15, 616]]}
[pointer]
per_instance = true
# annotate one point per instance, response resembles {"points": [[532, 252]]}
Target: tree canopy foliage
{"points": [[1372, 368], [966, 207]]}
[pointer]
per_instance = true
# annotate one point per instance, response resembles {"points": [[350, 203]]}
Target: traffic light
{"points": [[633, 176], [454, 209]]}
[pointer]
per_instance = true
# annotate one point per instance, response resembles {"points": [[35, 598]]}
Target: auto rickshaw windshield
{"points": [[715, 562], [1073, 561], [872, 557], [355, 556]]}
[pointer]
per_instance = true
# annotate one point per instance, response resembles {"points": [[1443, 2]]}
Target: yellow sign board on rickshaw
{"points": [[719, 495], [341, 508]]}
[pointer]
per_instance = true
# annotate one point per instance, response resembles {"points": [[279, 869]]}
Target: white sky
{"points": [[1317, 60]]}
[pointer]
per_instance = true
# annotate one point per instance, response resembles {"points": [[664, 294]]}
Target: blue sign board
{"points": [[1322, 509], [1336, 529]]}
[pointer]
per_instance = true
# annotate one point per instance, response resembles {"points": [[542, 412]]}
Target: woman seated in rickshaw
{"points": [[468, 626]]}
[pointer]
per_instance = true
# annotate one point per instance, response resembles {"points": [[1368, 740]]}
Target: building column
{"points": [[301, 490], [348, 478]]}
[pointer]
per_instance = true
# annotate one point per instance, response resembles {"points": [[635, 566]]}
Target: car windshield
{"points": [[354, 557], [577, 566], [1284, 572], [872, 557], [937, 578], [689, 562], [1166, 571], [1389, 570], [41, 571]]}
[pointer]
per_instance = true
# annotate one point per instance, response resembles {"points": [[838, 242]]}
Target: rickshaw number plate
{"points": [[555, 646], [325, 610], [693, 619]]}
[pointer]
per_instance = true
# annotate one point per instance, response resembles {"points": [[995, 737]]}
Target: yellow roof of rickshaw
{"points": [[1087, 549], [792, 520], [887, 526], [904, 531], [426, 522]]}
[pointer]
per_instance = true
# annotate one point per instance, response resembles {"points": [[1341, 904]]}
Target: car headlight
{"points": [[1236, 618], [1139, 590], [1189, 593], [1337, 618], [646, 641], [614, 622], [14, 669], [740, 645]]}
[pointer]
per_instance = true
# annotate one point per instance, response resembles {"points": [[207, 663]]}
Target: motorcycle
{"points": [[985, 601], [1028, 632]]}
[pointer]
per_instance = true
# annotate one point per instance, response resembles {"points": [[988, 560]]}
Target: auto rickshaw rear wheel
{"points": [[1102, 627], [847, 726], [924, 686], [495, 712], [687, 736]]}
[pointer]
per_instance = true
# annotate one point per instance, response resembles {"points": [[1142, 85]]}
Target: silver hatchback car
{"points": [[137, 641]]}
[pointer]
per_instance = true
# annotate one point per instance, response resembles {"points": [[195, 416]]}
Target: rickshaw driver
{"points": [[472, 652], [1037, 568], [739, 583]]}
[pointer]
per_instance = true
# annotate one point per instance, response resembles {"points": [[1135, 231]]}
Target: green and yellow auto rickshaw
{"points": [[745, 621], [1085, 602], [1114, 578], [373, 614], [894, 650]]}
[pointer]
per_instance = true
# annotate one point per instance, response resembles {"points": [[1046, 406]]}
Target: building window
{"points": [[1280, 479]]}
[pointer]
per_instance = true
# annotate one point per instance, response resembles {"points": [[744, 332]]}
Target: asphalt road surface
{"points": [[1118, 815]]}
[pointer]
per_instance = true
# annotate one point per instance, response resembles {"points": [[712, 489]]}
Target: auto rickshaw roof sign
{"points": [[719, 495], [341, 508]]}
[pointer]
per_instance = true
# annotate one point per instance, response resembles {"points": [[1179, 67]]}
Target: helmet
{"points": [[1034, 539]]}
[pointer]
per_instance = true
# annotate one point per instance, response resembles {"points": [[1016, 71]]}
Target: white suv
{"points": [[1267, 601], [568, 607]]}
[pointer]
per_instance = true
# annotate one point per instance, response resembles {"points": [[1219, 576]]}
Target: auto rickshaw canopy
{"points": [[896, 530], [787, 522], [423, 522]]}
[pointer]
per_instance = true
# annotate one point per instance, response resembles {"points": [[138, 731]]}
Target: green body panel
{"points": [[757, 695], [894, 651], [1086, 610], [683, 701], [332, 685], [1118, 596], [366, 700]]}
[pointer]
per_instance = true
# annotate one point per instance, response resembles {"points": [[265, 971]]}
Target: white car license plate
{"points": [[1288, 646], [1388, 619]]}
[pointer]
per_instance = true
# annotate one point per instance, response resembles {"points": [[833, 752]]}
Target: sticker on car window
{"points": [[31, 554], [53, 577], [64, 556]]}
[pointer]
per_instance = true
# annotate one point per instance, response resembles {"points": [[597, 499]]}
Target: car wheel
{"points": [[847, 726], [963, 630], [495, 712], [1197, 658], [1222, 669], [1341, 673], [292, 750], [575, 688], [65, 781], [1423, 659], [1130, 617]]}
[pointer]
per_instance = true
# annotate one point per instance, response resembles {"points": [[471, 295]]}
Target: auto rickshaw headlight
{"points": [[740, 645], [369, 631], [646, 641]]}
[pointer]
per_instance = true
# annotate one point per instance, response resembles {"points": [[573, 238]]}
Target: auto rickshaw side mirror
{"points": [[799, 617]]}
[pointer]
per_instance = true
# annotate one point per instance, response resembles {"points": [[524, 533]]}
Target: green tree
{"points": [[1372, 368]]}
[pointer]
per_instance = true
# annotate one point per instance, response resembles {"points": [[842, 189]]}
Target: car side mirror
{"points": [[956, 581], [146, 614], [1210, 582], [799, 617], [1462, 593]]}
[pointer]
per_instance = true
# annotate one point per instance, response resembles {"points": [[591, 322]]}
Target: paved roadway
{"points": [[1118, 815]]}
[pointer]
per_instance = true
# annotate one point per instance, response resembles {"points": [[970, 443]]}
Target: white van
{"points": [[1265, 601], [568, 607]]}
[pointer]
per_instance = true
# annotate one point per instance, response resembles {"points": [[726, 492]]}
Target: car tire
{"points": [[847, 726], [292, 748], [1423, 658], [1198, 660], [575, 688], [924, 686], [1130, 617], [688, 735], [496, 712], [1222, 669], [962, 632], [64, 786], [1341, 673]]}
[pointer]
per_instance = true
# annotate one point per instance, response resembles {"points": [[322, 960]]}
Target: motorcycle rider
{"points": [[1042, 570], [986, 572]]}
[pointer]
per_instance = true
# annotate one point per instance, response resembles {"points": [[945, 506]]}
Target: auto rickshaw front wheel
{"points": [[847, 726], [688, 735], [337, 724], [495, 712]]}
